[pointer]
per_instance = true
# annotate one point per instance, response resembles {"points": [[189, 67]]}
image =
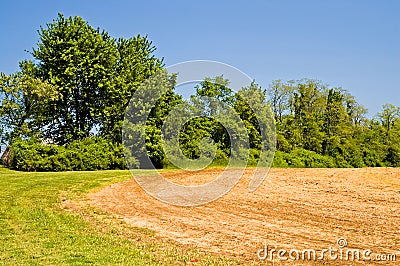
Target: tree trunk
{"points": [[6, 157]]}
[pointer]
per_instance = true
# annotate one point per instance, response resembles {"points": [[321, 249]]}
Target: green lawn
{"points": [[36, 229]]}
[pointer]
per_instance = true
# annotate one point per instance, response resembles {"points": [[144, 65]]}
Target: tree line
{"points": [[68, 103], [330, 122]]}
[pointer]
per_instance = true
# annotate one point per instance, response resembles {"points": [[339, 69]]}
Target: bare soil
{"points": [[293, 209]]}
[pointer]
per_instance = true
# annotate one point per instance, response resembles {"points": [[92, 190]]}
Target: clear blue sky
{"points": [[352, 44]]}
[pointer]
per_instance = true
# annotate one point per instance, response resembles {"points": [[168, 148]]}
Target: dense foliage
{"points": [[329, 122], [81, 78], [92, 153], [76, 90]]}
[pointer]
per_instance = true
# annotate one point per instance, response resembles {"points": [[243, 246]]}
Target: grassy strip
{"points": [[36, 230]]}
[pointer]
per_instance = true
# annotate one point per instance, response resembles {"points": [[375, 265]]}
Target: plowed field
{"points": [[293, 209]]}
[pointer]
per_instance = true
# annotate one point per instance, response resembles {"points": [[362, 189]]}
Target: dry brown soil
{"points": [[293, 209]]}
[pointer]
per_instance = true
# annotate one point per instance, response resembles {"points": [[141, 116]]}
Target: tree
{"points": [[279, 94], [135, 63], [247, 114], [356, 112], [144, 118], [80, 61], [96, 75], [23, 102], [216, 88], [204, 126], [388, 117], [335, 118], [308, 105]]}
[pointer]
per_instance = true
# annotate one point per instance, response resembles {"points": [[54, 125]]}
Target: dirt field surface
{"points": [[293, 209]]}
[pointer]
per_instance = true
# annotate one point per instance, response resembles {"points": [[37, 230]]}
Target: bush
{"points": [[302, 159], [280, 160], [221, 159], [93, 153], [254, 156]]}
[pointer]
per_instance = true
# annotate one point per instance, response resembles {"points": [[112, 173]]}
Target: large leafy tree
{"points": [[135, 63], [80, 61], [334, 121], [242, 105], [308, 103], [83, 80], [96, 76], [204, 126]]}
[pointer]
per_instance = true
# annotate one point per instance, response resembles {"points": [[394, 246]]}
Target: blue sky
{"points": [[352, 44]]}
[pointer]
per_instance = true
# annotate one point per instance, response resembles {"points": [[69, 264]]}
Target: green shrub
{"points": [[302, 159], [392, 157], [93, 153], [280, 160], [372, 158], [220, 159]]}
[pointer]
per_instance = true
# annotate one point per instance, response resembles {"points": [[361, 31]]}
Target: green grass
{"points": [[36, 230]]}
